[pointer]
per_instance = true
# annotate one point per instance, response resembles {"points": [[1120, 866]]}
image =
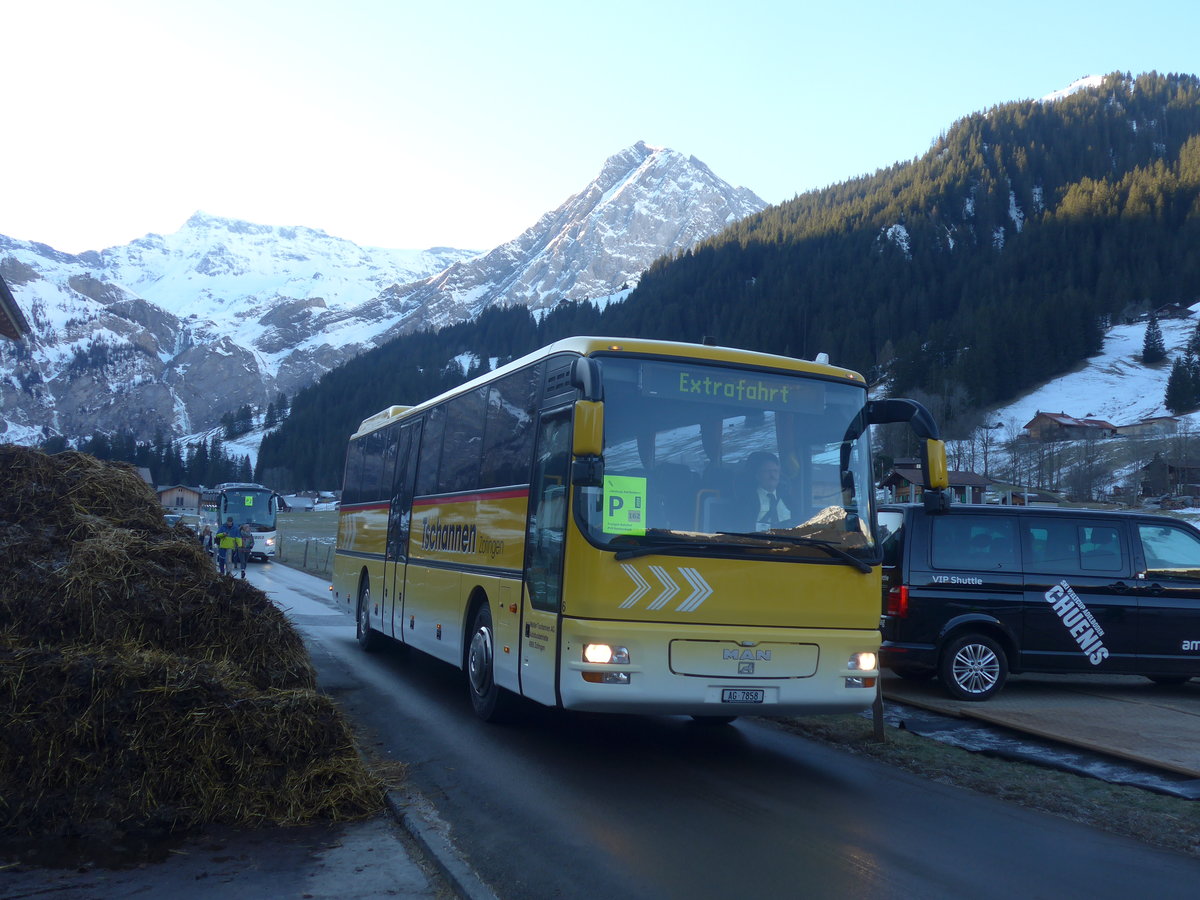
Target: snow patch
{"points": [[1081, 84]]}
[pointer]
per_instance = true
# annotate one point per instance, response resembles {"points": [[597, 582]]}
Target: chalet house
{"points": [[180, 498], [1165, 476], [1046, 426], [1172, 311], [904, 483], [1155, 426]]}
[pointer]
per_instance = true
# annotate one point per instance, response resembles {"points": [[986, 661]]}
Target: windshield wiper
{"points": [[828, 546], [663, 547]]}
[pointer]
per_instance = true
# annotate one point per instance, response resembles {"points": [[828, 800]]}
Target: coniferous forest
{"points": [[984, 267]]}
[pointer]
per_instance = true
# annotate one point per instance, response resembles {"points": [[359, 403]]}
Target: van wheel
{"points": [[973, 667], [491, 702], [367, 639]]}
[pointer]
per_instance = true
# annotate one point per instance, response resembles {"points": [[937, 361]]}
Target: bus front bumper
{"points": [[718, 670]]}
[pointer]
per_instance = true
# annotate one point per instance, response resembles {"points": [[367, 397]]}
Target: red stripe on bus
{"points": [[357, 507], [471, 498]]}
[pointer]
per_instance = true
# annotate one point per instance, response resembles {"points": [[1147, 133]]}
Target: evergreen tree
{"points": [[1181, 394], [1153, 349], [55, 444], [1193, 344]]}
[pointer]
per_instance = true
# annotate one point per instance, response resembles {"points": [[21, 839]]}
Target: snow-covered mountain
{"points": [[643, 201], [168, 333]]}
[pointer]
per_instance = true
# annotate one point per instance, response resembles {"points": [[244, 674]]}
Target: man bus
{"points": [[578, 528]]}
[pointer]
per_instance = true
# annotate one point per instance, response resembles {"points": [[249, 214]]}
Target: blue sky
{"points": [[409, 125]]}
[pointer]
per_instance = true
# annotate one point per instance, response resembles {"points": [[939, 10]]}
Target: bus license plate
{"points": [[739, 695]]}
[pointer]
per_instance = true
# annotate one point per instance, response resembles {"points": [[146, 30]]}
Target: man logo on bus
{"points": [[763, 655]]}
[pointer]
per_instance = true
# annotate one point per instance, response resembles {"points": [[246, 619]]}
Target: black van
{"points": [[972, 593]]}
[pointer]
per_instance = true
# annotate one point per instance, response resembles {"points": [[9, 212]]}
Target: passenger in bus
{"points": [[228, 543], [768, 503]]}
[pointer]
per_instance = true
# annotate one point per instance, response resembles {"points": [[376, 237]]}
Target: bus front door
{"points": [[545, 535], [399, 524]]}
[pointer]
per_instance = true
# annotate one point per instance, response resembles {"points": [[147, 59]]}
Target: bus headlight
{"points": [[863, 662], [606, 654]]}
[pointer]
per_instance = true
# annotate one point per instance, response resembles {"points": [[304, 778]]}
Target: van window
{"points": [[1070, 547], [1170, 550], [974, 542], [1100, 549]]}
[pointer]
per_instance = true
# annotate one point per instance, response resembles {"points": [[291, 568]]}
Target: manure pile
{"points": [[139, 688]]}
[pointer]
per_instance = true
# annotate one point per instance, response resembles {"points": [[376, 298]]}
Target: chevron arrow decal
{"points": [[701, 590], [670, 588], [641, 590]]}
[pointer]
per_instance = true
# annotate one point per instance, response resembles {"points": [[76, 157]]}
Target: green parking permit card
{"points": [[624, 505]]}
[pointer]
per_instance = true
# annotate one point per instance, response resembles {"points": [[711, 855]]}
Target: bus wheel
{"points": [[973, 667], [491, 702], [367, 639]]}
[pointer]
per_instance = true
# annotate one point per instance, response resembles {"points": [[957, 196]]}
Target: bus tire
{"points": [[491, 702], [368, 639], [973, 667]]}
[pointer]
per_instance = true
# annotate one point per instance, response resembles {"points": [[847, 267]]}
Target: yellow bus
{"points": [[630, 526]]}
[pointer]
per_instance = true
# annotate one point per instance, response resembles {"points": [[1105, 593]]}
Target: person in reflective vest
{"points": [[228, 544]]}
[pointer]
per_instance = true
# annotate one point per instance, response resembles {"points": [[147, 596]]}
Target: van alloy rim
{"points": [[976, 668]]}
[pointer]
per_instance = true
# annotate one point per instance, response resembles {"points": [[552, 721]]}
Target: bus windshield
{"points": [[254, 506], [715, 458]]}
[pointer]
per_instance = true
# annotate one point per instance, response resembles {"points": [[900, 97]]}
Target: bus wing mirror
{"points": [[585, 375], [937, 476], [588, 438], [885, 412]]}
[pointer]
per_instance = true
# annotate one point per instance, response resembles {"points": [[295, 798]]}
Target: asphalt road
{"points": [[567, 805]]}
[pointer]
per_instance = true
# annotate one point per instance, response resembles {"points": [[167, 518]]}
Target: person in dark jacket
{"points": [[247, 538]]}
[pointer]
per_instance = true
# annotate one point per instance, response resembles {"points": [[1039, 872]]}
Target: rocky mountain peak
{"points": [[169, 332]]}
